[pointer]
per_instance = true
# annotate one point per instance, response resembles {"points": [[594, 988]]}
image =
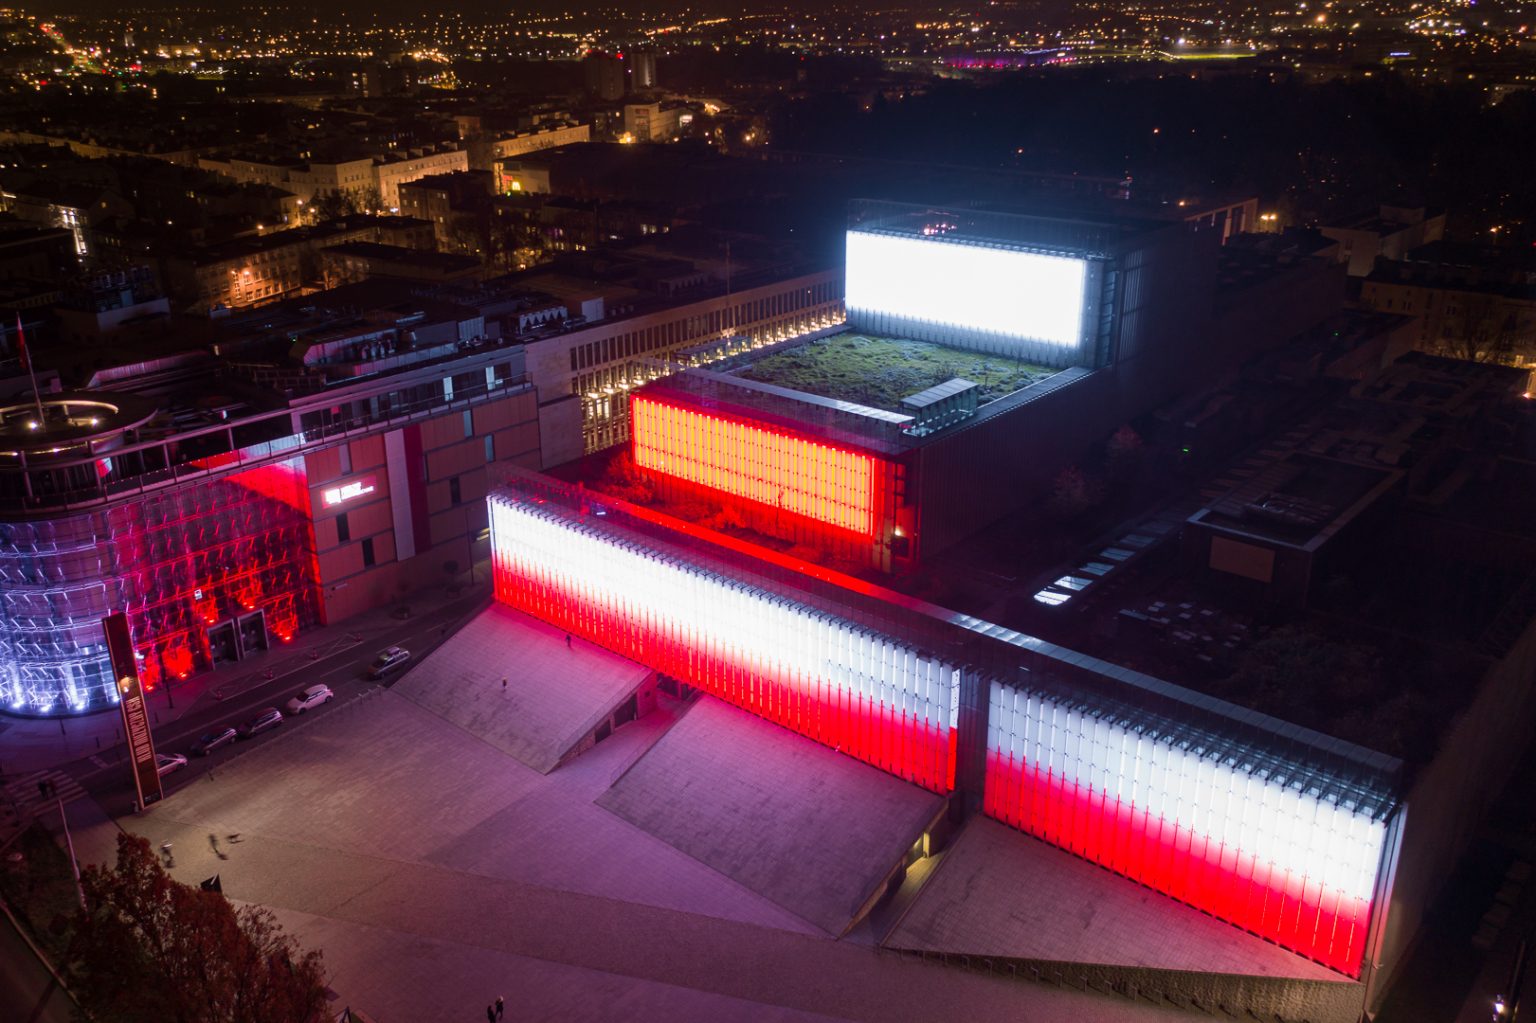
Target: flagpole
{"points": [[26, 360]]}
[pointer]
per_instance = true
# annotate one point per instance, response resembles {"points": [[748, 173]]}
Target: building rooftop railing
{"points": [[187, 462]]}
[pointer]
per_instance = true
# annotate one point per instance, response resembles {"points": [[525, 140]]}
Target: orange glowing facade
{"points": [[776, 468]]}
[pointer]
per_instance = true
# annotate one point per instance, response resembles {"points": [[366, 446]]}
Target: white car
{"points": [[389, 659], [314, 696], [165, 763]]}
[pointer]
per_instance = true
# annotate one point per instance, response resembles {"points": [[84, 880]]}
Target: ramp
{"points": [[1001, 895], [558, 697], [813, 830]]}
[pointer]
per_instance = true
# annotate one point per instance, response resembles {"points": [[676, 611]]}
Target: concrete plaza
{"points": [[437, 871]]}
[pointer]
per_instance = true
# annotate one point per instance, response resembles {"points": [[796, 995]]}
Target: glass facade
{"points": [[1279, 832], [1220, 833], [202, 572], [775, 468], [871, 696]]}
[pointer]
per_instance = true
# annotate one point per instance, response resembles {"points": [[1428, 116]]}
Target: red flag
{"points": [[21, 345]]}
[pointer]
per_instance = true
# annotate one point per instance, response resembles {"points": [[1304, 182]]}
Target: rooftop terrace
{"points": [[879, 371]]}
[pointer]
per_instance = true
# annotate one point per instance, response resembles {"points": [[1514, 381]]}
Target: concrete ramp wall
{"points": [[516, 683]]}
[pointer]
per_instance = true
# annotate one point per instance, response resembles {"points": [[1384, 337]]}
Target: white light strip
{"points": [[717, 617], [1027, 296], [1276, 825]]}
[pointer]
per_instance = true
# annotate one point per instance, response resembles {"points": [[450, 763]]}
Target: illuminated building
{"points": [[1069, 326], [258, 271], [653, 122], [547, 136], [1286, 832], [600, 364], [309, 180], [227, 517], [1283, 832], [322, 457]]}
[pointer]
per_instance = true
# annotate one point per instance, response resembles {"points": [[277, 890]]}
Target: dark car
{"points": [[390, 659], [263, 721], [210, 741]]}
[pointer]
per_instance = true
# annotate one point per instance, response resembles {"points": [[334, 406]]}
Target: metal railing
{"points": [[221, 463]]}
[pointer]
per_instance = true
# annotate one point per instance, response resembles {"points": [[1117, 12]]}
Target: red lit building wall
{"points": [[846, 686], [180, 563], [1285, 864], [359, 506], [786, 484]]}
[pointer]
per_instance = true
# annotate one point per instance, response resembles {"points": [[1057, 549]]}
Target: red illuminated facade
{"points": [[1288, 850], [1230, 884], [1200, 819], [789, 484], [860, 693], [773, 467]]}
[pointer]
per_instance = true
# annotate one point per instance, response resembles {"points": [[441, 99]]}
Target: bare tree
{"points": [[1486, 328]]}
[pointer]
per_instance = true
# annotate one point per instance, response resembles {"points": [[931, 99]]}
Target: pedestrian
{"points": [[490, 1014], [501, 1007], [567, 640], [503, 683], [42, 784]]}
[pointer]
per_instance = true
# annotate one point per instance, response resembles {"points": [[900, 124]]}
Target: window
{"points": [[469, 424], [345, 451], [368, 559], [490, 448], [343, 528], [454, 495]]}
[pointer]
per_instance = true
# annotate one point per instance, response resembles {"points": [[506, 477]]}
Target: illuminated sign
{"points": [[869, 695], [1284, 863], [141, 744], [905, 283], [333, 496], [758, 462]]}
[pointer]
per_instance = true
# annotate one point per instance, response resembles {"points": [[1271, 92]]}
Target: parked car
{"points": [[390, 659], [314, 696], [265, 720], [166, 763], [210, 741]]}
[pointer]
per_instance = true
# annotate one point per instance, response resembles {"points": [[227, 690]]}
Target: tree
{"points": [[153, 949], [1485, 328], [332, 205], [1074, 493], [1123, 451]]}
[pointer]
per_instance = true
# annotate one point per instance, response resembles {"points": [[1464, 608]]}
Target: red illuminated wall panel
{"points": [[774, 467], [1282, 863], [864, 694]]}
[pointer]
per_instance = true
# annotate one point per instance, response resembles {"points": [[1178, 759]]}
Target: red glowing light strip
{"points": [[879, 734], [775, 468], [1297, 913]]}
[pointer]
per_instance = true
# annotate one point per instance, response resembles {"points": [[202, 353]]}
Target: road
{"points": [[344, 670]]}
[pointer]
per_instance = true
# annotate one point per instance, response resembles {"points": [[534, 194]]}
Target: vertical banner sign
{"points": [[130, 694]]}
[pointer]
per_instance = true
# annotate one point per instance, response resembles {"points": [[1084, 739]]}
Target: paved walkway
{"points": [[437, 872], [1071, 910]]}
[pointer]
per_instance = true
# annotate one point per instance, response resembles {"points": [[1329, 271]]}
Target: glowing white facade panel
{"points": [[847, 686], [966, 293], [1287, 864]]}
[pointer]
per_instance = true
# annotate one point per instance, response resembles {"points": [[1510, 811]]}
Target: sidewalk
{"points": [[32, 745]]}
